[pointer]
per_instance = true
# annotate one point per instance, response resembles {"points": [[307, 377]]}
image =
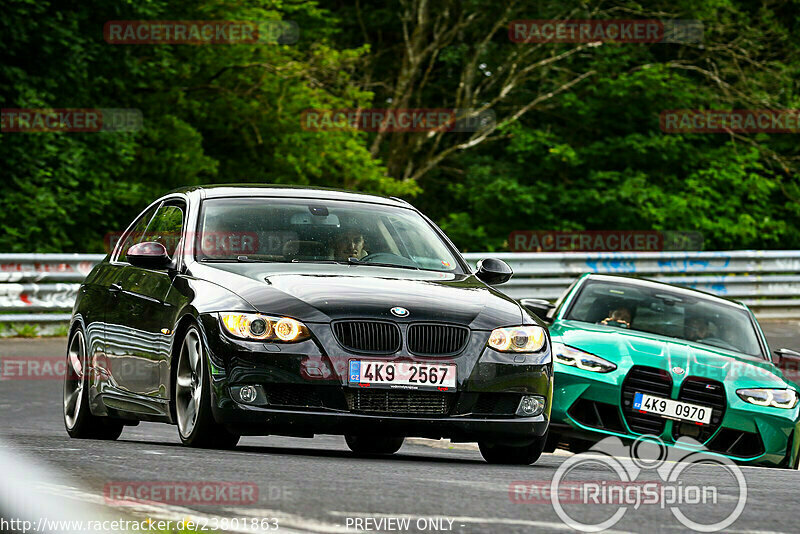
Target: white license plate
{"points": [[402, 375], [672, 409]]}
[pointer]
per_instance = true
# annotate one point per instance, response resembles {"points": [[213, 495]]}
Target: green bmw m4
{"points": [[636, 357]]}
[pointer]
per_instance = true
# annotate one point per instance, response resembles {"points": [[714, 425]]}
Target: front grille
{"points": [[737, 443], [703, 392], [597, 415], [649, 380], [375, 337], [399, 402], [497, 403], [292, 395], [437, 339]]}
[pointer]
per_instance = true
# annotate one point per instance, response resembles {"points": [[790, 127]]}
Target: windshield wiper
{"points": [[318, 261], [356, 261], [239, 259]]}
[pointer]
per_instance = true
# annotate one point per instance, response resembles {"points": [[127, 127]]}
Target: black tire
{"points": [[373, 445], [196, 424], [496, 453], [78, 418], [552, 442]]}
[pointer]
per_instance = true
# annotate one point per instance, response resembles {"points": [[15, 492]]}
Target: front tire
{"points": [[373, 445], [495, 453], [78, 419], [196, 424]]}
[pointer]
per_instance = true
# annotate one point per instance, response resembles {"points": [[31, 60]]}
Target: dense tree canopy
{"points": [[576, 143]]}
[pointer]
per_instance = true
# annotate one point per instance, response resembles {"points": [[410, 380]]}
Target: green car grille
{"points": [[645, 380], [704, 392]]}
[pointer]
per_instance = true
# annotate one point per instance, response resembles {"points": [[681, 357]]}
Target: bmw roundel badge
{"points": [[399, 312]]}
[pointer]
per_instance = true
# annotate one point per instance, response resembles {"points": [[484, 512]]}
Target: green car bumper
{"points": [[591, 405]]}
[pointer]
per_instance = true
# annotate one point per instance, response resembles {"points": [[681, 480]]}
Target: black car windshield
{"points": [[319, 231], [673, 313]]}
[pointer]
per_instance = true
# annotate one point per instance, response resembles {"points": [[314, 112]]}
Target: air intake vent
{"points": [[640, 379], [375, 337], [292, 395], [703, 392], [737, 443], [399, 402], [437, 339], [497, 403], [597, 414]]}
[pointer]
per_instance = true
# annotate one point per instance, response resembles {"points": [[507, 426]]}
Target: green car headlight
{"points": [[264, 328], [518, 339], [567, 355], [777, 398]]}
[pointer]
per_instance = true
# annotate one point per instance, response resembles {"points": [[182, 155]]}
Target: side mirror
{"points": [[493, 271], [149, 255], [786, 359], [539, 307]]}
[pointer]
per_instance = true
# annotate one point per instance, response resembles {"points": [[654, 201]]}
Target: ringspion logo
{"points": [[645, 473]]}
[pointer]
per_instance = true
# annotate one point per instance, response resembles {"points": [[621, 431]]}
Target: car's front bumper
{"points": [[772, 433], [305, 423], [303, 390]]}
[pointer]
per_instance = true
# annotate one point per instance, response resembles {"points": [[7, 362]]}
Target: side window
{"points": [[136, 234], [166, 227]]}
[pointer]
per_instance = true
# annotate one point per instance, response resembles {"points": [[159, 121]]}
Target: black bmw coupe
{"points": [[246, 310]]}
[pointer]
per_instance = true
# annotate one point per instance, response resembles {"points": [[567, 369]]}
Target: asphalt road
{"points": [[319, 486]]}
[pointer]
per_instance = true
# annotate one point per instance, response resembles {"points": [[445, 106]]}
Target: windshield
{"points": [[660, 311], [292, 230]]}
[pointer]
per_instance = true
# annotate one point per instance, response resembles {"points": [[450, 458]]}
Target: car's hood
{"points": [[674, 355], [325, 292]]}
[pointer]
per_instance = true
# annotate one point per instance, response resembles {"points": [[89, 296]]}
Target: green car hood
{"points": [[627, 348]]}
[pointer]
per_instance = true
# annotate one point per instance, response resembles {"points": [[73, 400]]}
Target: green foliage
{"points": [[226, 113], [591, 157], [24, 330]]}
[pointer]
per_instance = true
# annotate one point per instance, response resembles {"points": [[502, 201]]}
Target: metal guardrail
{"points": [[767, 281], [34, 283]]}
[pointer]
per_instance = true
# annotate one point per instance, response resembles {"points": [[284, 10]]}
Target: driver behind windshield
{"points": [[696, 329], [620, 317], [349, 244]]}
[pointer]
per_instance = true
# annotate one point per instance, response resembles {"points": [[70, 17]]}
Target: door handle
{"points": [[114, 288]]}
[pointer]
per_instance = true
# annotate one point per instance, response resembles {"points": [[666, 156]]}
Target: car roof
{"points": [[643, 282], [289, 191]]}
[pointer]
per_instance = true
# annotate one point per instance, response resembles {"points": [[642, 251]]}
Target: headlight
{"points": [[518, 339], [263, 327], [567, 355], [778, 398]]}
